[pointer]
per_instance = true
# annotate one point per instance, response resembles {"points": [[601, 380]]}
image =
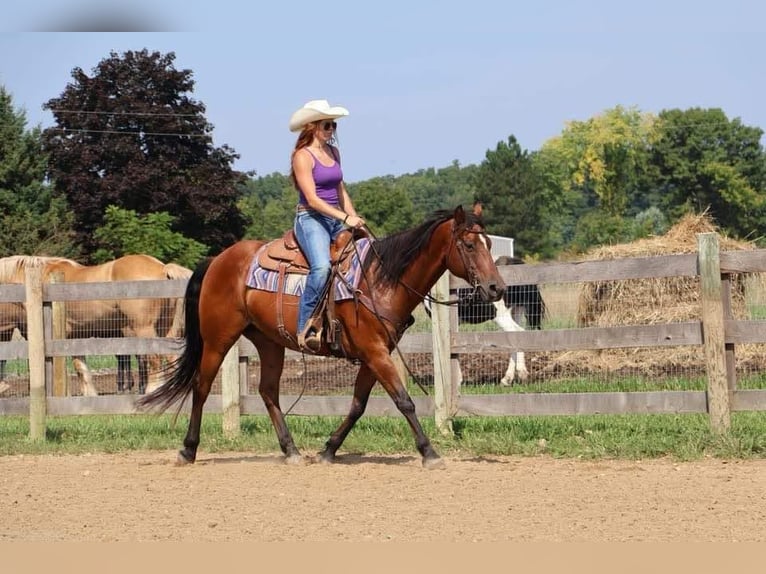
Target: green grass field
{"points": [[683, 437]]}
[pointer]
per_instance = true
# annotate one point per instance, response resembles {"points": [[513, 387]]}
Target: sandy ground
{"points": [[238, 497]]}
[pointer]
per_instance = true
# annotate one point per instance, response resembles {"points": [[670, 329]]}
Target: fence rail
{"points": [[716, 334]]}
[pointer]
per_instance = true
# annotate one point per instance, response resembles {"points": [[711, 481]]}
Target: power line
{"points": [[129, 133], [97, 113]]}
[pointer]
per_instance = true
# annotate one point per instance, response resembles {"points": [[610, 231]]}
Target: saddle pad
{"points": [[267, 280]]}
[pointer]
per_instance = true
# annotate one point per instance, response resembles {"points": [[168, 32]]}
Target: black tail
{"points": [[529, 297], [182, 374]]}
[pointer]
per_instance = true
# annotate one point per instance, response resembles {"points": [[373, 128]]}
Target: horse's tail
{"points": [[529, 297], [182, 373]]}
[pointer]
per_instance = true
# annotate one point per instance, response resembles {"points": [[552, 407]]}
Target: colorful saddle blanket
{"points": [[268, 280]]}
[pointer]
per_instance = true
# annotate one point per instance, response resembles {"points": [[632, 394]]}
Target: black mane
{"points": [[398, 250]]}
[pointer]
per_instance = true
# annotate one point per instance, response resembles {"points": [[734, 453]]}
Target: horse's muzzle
{"points": [[491, 292]]}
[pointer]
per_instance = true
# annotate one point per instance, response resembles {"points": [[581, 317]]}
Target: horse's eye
{"points": [[469, 245]]}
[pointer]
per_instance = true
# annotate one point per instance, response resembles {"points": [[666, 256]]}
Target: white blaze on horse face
{"points": [[483, 241]]}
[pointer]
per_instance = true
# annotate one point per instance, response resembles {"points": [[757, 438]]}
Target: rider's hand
{"points": [[355, 221]]}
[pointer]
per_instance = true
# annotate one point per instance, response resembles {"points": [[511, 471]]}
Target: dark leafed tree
{"points": [[130, 135]]}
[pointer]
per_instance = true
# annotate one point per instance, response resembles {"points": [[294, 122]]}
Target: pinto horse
{"points": [[398, 271], [108, 318], [519, 303]]}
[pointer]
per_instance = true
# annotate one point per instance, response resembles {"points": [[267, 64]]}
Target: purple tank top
{"points": [[327, 179]]}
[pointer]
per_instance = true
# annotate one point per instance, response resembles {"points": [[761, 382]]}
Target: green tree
{"points": [[125, 232], [33, 220], [130, 135], [385, 207], [515, 201], [704, 161], [268, 205], [604, 156]]}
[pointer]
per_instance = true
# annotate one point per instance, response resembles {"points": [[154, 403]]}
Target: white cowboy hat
{"points": [[313, 111]]}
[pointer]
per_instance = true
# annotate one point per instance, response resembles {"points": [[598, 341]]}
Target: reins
{"points": [[421, 296]]}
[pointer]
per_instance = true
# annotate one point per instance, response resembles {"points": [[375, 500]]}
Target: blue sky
{"points": [[427, 83]]}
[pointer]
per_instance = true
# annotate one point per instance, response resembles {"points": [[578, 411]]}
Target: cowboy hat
{"points": [[314, 111]]}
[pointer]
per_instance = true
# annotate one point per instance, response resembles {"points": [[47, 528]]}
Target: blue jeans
{"points": [[314, 233]]}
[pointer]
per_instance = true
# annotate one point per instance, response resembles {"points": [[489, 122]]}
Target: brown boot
{"points": [[310, 340]]}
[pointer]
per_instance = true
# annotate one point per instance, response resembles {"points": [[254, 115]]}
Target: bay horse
{"points": [[398, 271], [519, 304], [108, 318]]}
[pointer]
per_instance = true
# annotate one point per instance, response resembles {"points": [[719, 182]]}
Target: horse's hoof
{"points": [[295, 460], [506, 381], [183, 459], [325, 458], [434, 463]]}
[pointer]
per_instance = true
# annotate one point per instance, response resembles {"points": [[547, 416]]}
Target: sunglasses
{"points": [[326, 126]]}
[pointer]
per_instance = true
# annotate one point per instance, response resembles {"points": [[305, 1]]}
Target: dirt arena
{"points": [[143, 496]]}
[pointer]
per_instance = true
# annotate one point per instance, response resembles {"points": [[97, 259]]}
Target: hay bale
{"points": [[650, 301]]}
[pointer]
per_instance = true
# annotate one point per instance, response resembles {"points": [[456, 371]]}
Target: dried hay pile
{"points": [[649, 301]]}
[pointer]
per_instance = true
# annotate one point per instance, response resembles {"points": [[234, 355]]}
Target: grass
{"points": [[683, 437]]}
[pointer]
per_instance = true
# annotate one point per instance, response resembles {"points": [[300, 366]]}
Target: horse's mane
{"points": [[12, 268], [399, 250]]}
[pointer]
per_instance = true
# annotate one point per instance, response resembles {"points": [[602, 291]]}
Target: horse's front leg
{"points": [[365, 380], [87, 387], [516, 363], [510, 372], [384, 370]]}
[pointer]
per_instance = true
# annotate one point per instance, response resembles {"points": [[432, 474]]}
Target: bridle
{"points": [[468, 263]]}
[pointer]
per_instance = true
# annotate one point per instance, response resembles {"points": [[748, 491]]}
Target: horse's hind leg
{"points": [[365, 380], [272, 361], [143, 373], [124, 373]]}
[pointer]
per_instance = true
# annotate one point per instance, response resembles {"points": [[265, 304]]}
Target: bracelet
{"points": [[344, 219]]}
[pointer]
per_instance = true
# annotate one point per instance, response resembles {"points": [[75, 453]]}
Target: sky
{"points": [[427, 83]]}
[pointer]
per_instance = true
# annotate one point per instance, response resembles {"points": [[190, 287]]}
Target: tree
{"points": [[130, 135], [703, 160], [385, 207], [515, 201], [125, 232], [604, 156], [32, 218], [268, 205]]}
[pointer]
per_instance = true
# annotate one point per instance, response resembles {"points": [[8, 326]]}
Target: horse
{"points": [[108, 318], [519, 302], [397, 272], [12, 316]]}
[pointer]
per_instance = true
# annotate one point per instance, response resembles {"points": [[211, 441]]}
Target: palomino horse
{"points": [[397, 273], [519, 303], [108, 318], [12, 316]]}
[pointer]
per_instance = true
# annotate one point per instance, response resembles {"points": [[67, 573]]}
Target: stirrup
{"points": [[310, 340]]}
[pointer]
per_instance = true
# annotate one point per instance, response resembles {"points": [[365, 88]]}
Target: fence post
{"points": [[36, 349], [230, 392], [440, 335], [58, 312], [713, 336]]}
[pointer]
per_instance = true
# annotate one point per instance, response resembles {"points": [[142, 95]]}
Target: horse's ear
{"points": [[477, 208], [459, 215]]}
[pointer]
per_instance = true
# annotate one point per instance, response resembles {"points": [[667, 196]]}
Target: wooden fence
{"points": [[716, 334]]}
